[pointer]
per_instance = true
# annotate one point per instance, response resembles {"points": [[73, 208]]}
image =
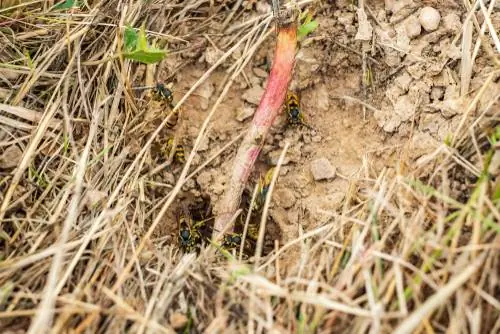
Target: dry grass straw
{"points": [[409, 251]]}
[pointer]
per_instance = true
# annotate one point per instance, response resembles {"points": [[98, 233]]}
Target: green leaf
{"points": [[130, 38], [68, 4], [150, 56], [307, 27], [142, 42], [137, 48]]}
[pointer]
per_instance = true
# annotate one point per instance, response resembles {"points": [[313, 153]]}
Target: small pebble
{"points": [[204, 179], [259, 72], [316, 139], [253, 95], [284, 198], [245, 112], [322, 169], [429, 18], [178, 320], [11, 157], [413, 27], [274, 156], [437, 93], [452, 22]]}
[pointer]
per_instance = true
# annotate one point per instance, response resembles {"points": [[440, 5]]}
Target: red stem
{"points": [[269, 108]]}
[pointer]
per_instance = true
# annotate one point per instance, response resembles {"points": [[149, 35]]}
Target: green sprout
{"points": [[136, 47], [307, 25]]}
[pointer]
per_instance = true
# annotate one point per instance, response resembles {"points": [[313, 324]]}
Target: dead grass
{"points": [[77, 238]]}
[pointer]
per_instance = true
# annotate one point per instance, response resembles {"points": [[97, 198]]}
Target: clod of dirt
{"points": [[260, 73], [391, 56], [204, 179], [11, 157], [204, 92], [212, 55], [322, 169], [178, 320], [452, 22], [245, 112], [284, 198], [437, 93], [204, 144], [263, 7], [413, 27], [494, 168], [253, 95], [274, 156], [403, 81], [422, 143], [429, 18], [395, 6], [365, 29]]}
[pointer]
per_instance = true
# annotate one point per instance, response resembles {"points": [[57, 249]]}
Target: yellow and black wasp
{"points": [[263, 188], [178, 154], [189, 235], [165, 94], [293, 111], [231, 240], [194, 227]]}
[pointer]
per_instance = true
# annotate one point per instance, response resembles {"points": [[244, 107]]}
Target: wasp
{"points": [[189, 236], [293, 110], [253, 231], [179, 154], [263, 188], [165, 93], [231, 240]]}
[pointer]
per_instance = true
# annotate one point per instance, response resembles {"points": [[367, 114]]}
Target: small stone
{"points": [[274, 156], [452, 22], [245, 112], [316, 139], [259, 72], [204, 144], [437, 93], [253, 95], [322, 169], [284, 198], [413, 27], [204, 179], [212, 55], [263, 7], [178, 320], [365, 29], [168, 178], [404, 108], [11, 157], [429, 18], [190, 184], [346, 19], [399, 5], [403, 81]]}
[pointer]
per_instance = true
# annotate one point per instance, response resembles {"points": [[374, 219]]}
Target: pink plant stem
{"points": [[269, 108]]}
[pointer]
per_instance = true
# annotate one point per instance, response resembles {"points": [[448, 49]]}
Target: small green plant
{"points": [[136, 47], [67, 4], [307, 25]]}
